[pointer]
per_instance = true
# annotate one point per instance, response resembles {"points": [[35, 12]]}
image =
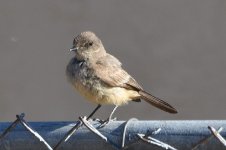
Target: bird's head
{"points": [[87, 45]]}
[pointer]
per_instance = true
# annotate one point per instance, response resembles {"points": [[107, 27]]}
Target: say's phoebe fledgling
{"points": [[100, 77]]}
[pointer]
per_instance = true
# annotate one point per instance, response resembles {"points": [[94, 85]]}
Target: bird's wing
{"points": [[109, 70]]}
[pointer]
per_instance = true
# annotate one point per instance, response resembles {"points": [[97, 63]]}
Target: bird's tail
{"points": [[157, 102]]}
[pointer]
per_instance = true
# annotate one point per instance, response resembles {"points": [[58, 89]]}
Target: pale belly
{"points": [[107, 95]]}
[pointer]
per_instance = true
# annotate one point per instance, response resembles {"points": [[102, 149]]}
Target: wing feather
{"points": [[109, 70]]}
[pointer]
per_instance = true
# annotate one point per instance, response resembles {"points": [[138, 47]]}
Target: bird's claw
{"points": [[104, 122]]}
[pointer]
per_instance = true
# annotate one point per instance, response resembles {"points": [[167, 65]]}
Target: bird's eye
{"points": [[90, 43]]}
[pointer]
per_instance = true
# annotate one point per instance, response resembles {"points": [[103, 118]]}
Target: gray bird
{"points": [[100, 78]]}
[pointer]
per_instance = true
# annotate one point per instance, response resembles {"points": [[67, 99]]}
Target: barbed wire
{"points": [[94, 128]]}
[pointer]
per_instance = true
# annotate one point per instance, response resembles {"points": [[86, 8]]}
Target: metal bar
{"points": [[178, 134]]}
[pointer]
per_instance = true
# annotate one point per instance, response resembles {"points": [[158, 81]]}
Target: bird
{"points": [[100, 78]]}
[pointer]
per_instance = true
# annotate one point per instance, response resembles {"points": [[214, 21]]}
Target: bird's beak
{"points": [[73, 49]]}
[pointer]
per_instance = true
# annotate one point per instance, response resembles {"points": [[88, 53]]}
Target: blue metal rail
{"points": [[132, 134]]}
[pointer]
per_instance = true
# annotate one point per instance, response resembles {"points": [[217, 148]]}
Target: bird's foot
{"points": [[103, 123]]}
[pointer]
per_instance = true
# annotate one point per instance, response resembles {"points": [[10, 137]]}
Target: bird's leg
{"points": [[94, 111], [110, 117], [105, 122]]}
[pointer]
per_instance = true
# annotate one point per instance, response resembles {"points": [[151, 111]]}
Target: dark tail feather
{"points": [[157, 102]]}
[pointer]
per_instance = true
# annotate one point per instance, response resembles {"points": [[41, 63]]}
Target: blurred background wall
{"points": [[175, 49]]}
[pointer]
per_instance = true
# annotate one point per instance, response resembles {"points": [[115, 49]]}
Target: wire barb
{"points": [[91, 128], [11, 127], [205, 140], [68, 134], [74, 129], [26, 126], [217, 135], [33, 132], [124, 131], [154, 141]]}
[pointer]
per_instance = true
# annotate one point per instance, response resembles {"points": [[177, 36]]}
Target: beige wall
{"points": [[176, 49]]}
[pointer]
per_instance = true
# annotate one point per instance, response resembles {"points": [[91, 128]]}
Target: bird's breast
{"points": [[102, 94], [94, 89]]}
